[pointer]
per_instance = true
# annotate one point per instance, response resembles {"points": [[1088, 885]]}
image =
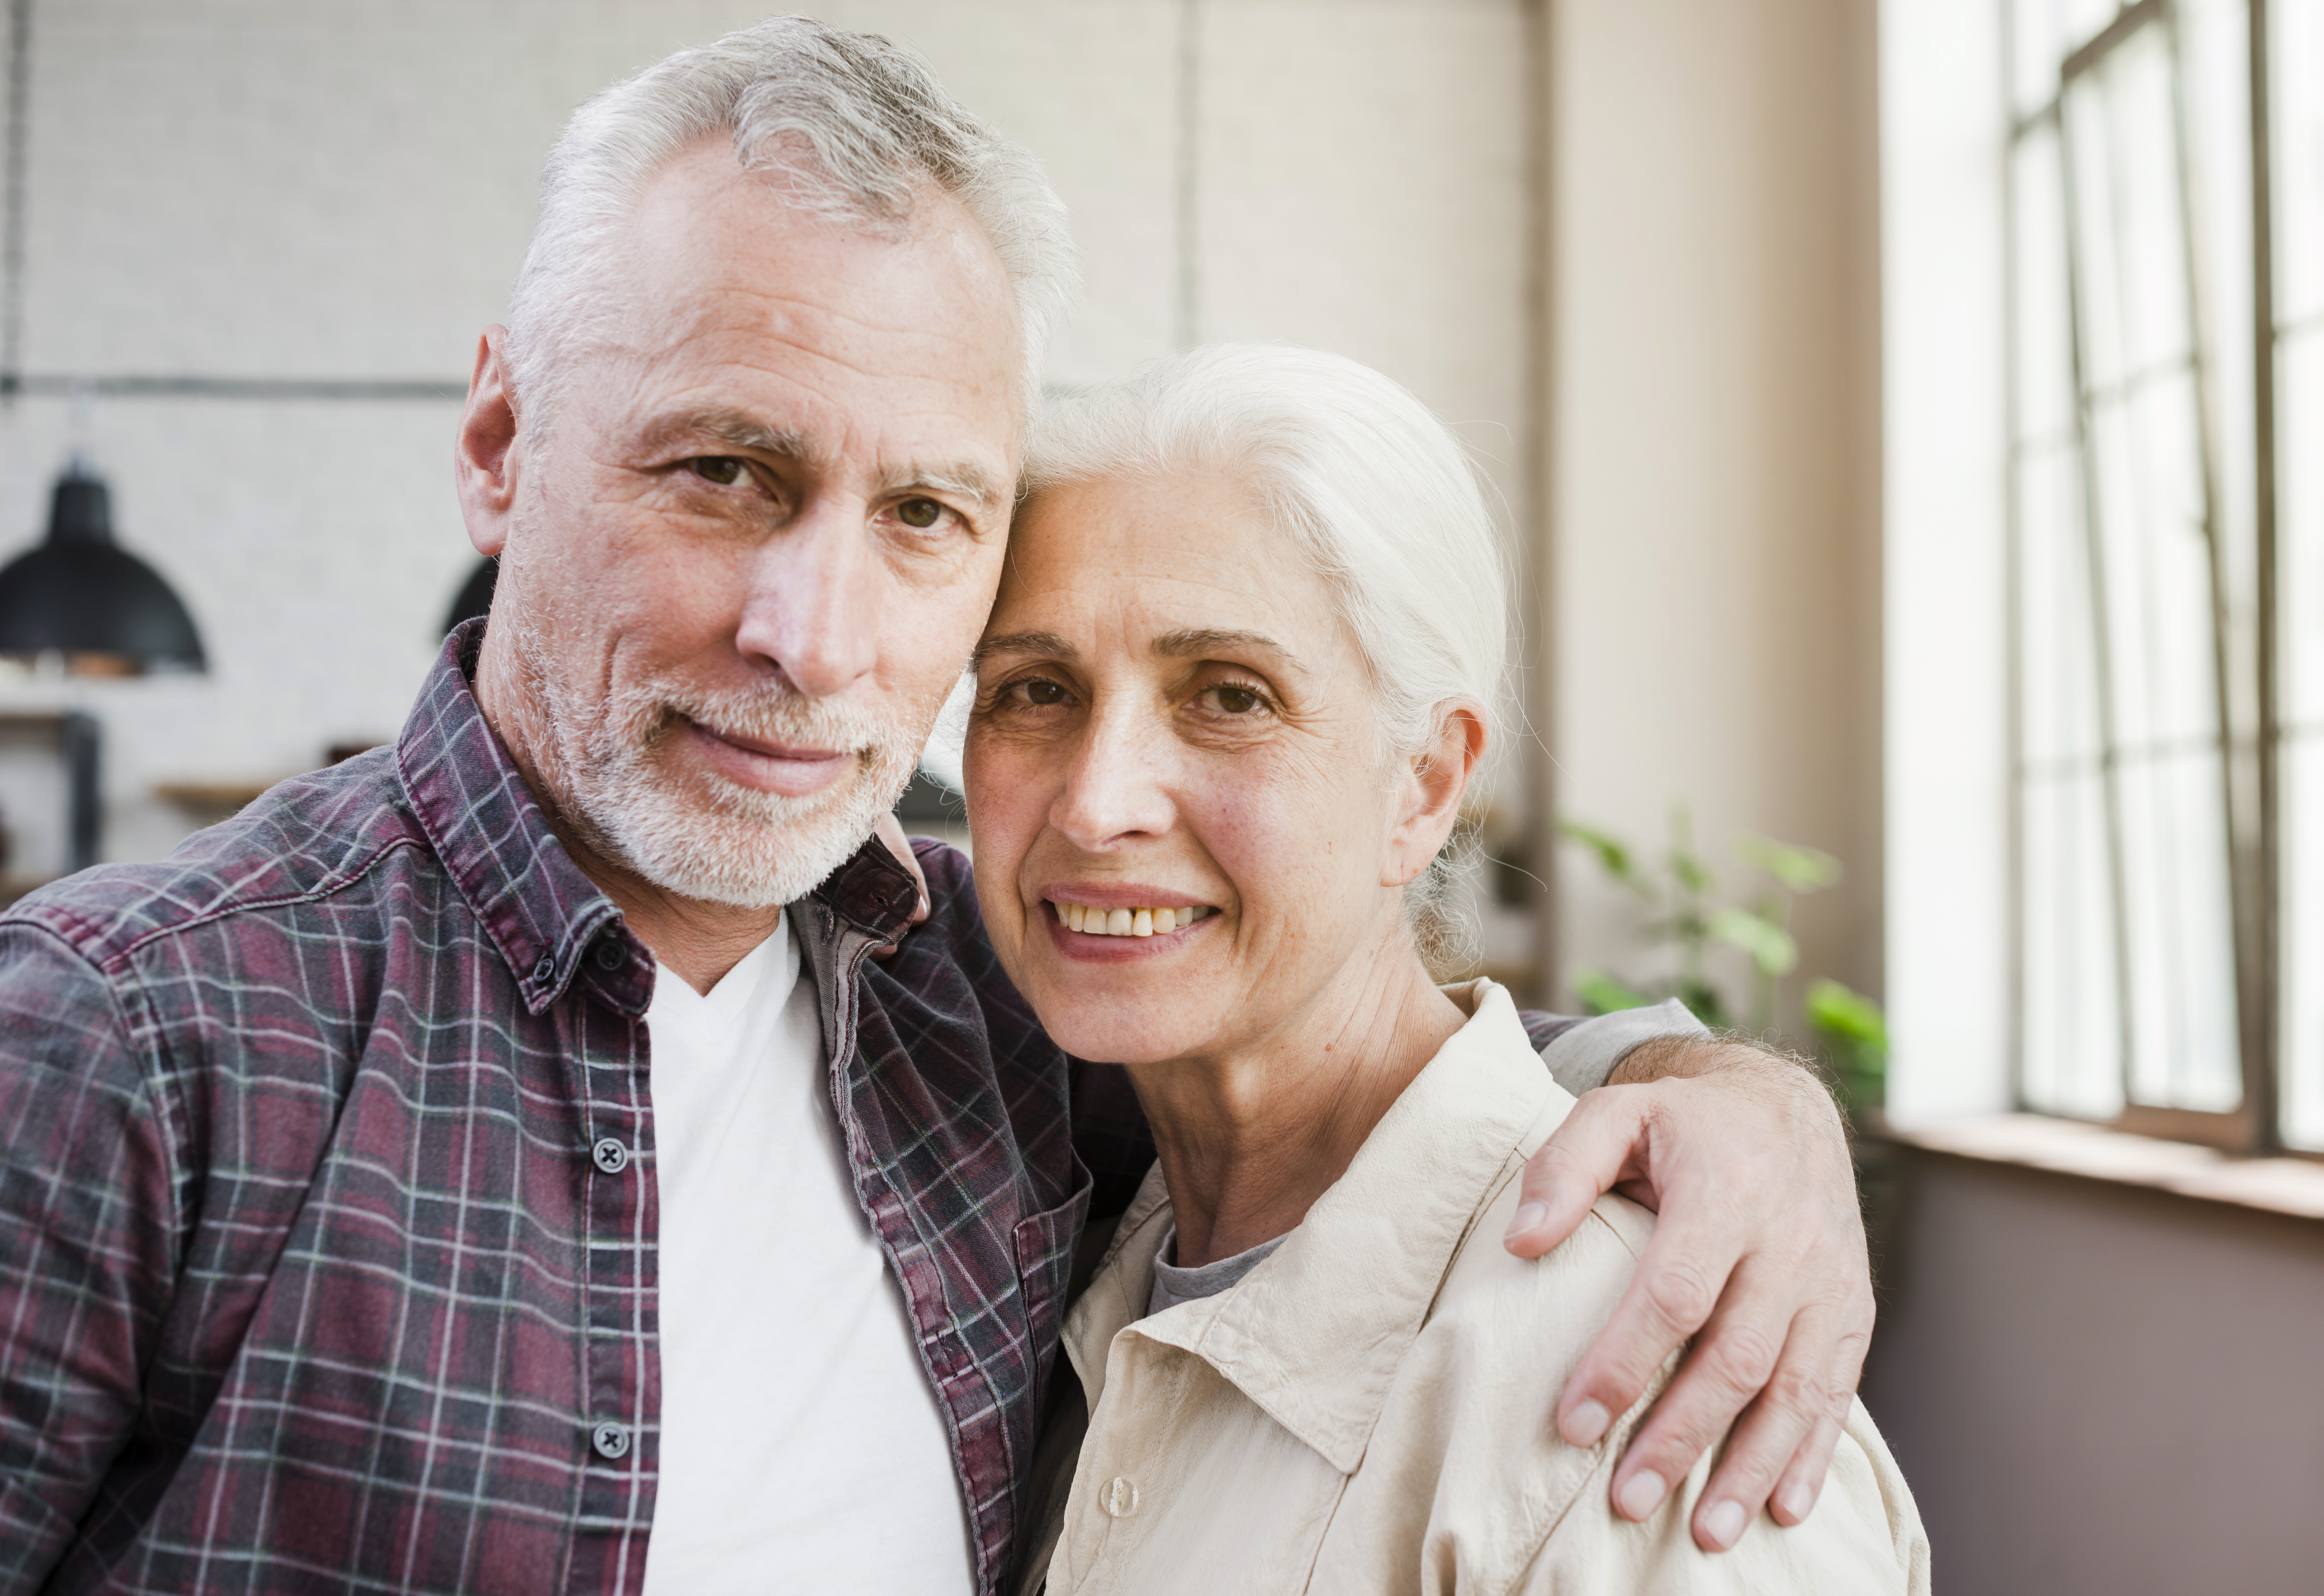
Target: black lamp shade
{"points": [[81, 593]]}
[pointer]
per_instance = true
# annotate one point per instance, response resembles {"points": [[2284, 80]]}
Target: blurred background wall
{"points": [[278, 192]]}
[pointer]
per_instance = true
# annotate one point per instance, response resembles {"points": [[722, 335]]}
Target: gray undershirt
{"points": [[1173, 1285]]}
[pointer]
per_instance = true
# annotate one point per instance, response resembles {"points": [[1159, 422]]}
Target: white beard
{"points": [[698, 835]]}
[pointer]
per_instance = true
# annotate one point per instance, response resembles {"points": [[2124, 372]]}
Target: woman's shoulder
{"points": [[1517, 1506]]}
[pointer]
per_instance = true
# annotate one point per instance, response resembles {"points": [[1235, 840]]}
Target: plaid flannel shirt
{"points": [[327, 1203]]}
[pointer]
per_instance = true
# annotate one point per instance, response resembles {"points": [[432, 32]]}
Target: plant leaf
{"points": [[1847, 1016], [1800, 870], [1613, 855], [1600, 993], [1771, 946]]}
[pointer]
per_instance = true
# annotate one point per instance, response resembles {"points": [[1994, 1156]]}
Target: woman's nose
{"points": [[1116, 781]]}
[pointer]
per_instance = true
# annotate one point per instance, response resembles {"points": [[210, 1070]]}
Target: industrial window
{"points": [[2166, 323]]}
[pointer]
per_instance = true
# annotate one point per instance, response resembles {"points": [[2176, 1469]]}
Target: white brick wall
{"points": [[294, 188]]}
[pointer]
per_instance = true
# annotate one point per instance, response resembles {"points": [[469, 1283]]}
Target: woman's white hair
{"points": [[1373, 490], [856, 126]]}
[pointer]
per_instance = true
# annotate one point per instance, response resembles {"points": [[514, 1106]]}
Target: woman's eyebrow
{"points": [[1207, 639], [1047, 644]]}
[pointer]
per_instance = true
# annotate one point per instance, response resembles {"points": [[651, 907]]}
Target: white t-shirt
{"points": [[802, 1448]]}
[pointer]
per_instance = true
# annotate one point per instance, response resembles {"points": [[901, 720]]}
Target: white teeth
{"points": [[1090, 920]]}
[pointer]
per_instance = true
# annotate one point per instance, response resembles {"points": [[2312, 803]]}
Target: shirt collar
{"points": [[1316, 1334], [542, 914], [539, 911]]}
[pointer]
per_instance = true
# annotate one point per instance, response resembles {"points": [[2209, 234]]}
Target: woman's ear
{"points": [[1435, 781]]}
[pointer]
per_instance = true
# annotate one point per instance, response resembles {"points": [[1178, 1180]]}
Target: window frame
{"points": [[2247, 752]]}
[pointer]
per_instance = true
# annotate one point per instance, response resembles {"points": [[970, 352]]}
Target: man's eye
{"points": [[1038, 691], [1236, 700], [919, 514], [725, 470]]}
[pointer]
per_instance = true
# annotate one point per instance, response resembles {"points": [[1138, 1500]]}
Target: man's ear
{"points": [[1434, 783], [488, 451]]}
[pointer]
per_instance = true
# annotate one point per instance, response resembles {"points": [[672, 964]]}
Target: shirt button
{"points": [[1119, 1498], [612, 1156], [609, 955], [545, 971], [612, 1442]]}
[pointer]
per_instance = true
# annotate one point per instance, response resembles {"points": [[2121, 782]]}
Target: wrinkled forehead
{"points": [[1147, 554], [720, 270]]}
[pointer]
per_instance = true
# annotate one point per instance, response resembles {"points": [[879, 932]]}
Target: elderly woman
{"points": [[1245, 662]]}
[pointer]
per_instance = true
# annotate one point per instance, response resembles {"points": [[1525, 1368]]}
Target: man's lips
{"points": [[771, 767]]}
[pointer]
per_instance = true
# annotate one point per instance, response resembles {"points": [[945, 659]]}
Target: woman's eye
{"points": [[725, 470], [919, 514], [1235, 700]]}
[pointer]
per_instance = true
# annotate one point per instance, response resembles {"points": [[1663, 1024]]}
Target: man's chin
{"points": [[711, 855]]}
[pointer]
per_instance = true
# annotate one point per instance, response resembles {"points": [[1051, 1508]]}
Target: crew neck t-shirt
{"points": [[802, 1446]]}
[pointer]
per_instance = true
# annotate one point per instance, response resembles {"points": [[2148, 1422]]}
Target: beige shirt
{"points": [[1369, 1409]]}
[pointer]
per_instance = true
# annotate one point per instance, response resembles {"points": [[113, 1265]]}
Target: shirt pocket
{"points": [[1045, 1261]]}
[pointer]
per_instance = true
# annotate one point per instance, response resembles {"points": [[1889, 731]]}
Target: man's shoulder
{"points": [[305, 839]]}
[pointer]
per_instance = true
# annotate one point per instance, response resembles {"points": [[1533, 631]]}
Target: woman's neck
{"points": [[1250, 1137]]}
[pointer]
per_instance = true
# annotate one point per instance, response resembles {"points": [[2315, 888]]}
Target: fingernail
{"points": [[1529, 1216], [1724, 1523], [1586, 1424], [1799, 1502], [1640, 1494]]}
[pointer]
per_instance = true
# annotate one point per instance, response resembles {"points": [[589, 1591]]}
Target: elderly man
{"points": [[482, 1153]]}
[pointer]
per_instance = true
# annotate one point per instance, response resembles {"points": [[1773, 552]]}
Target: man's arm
{"points": [[86, 1246], [1759, 1253]]}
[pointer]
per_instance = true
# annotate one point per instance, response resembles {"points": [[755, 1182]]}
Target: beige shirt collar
{"points": [[1310, 1336]]}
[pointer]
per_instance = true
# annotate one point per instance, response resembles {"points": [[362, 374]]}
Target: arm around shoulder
{"points": [[87, 1240]]}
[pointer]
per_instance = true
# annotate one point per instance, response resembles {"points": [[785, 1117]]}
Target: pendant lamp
{"points": [[82, 595]]}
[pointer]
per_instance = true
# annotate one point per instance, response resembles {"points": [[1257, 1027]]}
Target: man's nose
{"points": [[1117, 784], [813, 609]]}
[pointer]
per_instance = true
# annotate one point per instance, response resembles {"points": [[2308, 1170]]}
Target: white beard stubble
{"points": [[697, 833]]}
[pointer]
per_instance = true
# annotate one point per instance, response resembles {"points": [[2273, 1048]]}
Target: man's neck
{"points": [[698, 940]]}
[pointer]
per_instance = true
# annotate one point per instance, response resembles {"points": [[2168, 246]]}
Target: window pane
{"points": [[2155, 564], [2072, 1013], [2042, 34], [2129, 954], [2184, 1052], [2300, 464], [2302, 949], [2300, 533], [2058, 701], [2042, 329], [2129, 229], [2297, 52]]}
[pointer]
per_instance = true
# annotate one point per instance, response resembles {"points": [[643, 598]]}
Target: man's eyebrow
{"points": [[1047, 644], [962, 479], [736, 431], [1207, 639]]}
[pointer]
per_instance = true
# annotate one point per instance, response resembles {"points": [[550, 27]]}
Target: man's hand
{"points": [[891, 831], [1759, 1246]]}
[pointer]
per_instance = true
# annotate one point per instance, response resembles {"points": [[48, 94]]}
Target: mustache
{"points": [[774, 713]]}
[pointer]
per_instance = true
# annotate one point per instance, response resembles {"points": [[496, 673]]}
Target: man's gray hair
{"points": [[858, 127], [1377, 495]]}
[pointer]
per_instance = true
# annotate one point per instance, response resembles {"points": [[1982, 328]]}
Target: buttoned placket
{"points": [[616, 1155]]}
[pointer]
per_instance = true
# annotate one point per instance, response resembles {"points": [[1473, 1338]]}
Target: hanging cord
{"points": [[1187, 322], [12, 221]]}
